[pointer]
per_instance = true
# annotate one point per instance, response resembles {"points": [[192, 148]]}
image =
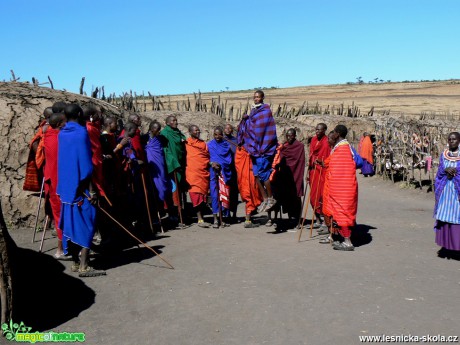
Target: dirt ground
{"points": [[254, 286]]}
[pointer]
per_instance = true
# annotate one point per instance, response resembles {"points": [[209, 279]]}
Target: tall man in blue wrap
{"points": [[78, 213], [233, 142], [258, 131], [157, 163], [221, 175]]}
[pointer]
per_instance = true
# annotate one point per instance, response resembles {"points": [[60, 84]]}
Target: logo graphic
{"points": [[21, 333]]}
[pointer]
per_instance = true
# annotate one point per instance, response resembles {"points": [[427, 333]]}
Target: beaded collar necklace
{"points": [[449, 155]]}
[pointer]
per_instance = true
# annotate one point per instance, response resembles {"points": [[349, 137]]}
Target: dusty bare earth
{"points": [[240, 286]]}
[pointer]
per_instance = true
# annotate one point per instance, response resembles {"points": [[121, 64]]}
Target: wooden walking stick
{"points": [[38, 209], [305, 214], [108, 201], [155, 200], [180, 203], [316, 202], [129, 233], [219, 203], [45, 225], [303, 204], [147, 201]]}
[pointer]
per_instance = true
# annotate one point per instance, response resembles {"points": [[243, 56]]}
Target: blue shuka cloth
{"points": [[157, 167], [447, 192], [262, 167], [219, 152], [367, 168], [258, 132], [74, 167], [234, 140]]}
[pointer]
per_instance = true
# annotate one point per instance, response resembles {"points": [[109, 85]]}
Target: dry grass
{"points": [[440, 98]]}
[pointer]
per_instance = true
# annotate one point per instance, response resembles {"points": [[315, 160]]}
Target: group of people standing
{"points": [[87, 161]]}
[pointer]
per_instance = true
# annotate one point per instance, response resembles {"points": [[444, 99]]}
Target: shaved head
{"points": [[48, 112]]}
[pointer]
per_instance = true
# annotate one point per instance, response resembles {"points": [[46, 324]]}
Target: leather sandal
{"points": [[343, 246]]}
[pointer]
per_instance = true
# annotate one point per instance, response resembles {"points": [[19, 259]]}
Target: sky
{"points": [[174, 47]]}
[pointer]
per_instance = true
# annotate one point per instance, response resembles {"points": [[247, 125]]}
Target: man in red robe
{"points": [[319, 151], [50, 172], [197, 171], [136, 141], [93, 126], [36, 159], [289, 175], [343, 188]]}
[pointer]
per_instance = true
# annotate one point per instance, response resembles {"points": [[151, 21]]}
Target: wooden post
{"points": [[51, 82], [82, 83], [95, 92], [13, 75]]}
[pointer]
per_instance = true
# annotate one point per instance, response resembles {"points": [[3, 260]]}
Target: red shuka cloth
{"points": [[50, 148], [247, 185], [224, 193], [197, 198], [343, 186], [295, 159], [32, 179], [319, 150], [325, 209], [136, 143], [94, 137], [197, 168]]}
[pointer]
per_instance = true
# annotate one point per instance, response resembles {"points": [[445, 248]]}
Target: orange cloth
{"points": [[276, 162], [343, 186], [96, 148], [247, 184], [40, 154], [197, 168], [33, 178], [367, 150]]}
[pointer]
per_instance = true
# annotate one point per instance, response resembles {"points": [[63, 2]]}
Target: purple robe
{"points": [[220, 152], [157, 167], [258, 132], [447, 234], [234, 140]]}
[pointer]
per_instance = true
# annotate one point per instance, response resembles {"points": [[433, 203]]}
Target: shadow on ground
{"points": [[115, 259], [44, 295], [444, 253], [360, 235]]}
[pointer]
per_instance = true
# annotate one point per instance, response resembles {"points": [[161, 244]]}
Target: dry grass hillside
{"points": [[440, 97]]}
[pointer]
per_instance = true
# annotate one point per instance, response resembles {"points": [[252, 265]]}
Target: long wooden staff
{"points": [[316, 202], [147, 200], [45, 225], [155, 200], [303, 204], [129, 233], [38, 209], [219, 202], [305, 213], [108, 200], [180, 203]]}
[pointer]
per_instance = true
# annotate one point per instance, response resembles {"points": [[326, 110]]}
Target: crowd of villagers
{"points": [[86, 162]]}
